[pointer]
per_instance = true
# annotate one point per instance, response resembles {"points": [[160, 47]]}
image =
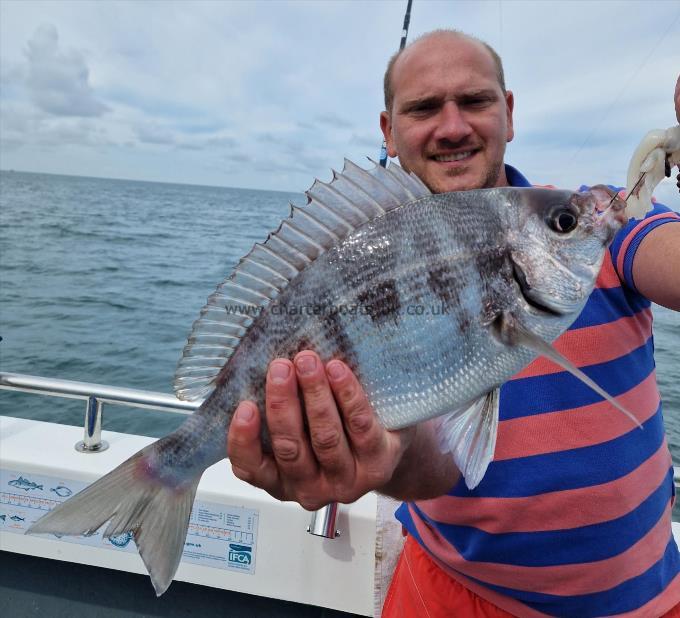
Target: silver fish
{"points": [[433, 300]]}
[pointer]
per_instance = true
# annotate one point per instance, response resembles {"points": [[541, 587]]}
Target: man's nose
{"points": [[452, 124]]}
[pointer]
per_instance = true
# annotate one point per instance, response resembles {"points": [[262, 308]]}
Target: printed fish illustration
{"points": [[3, 517], [62, 491], [25, 484], [17, 518], [434, 301], [121, 540]]}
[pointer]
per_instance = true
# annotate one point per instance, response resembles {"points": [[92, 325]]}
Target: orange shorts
{"points": [[420, 589]]}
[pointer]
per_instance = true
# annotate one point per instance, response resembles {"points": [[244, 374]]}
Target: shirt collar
{"points": [[515, 177]]}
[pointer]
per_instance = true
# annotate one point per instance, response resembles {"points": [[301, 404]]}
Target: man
{"points": [[573, 515]]}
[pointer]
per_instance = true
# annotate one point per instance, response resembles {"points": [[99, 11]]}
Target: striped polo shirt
{"points": [[573, 516]]}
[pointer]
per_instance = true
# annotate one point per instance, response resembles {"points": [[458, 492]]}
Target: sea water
{"points": [[100, 281]]}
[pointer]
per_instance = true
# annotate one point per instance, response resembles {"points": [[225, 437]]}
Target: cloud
{"points": [[238, 157], [151, 134], [170, 134], [58, 80], [221, 141], [334, 120], [210, 144], [371, 141], [72, 132], [246, 93], [21, 125]]}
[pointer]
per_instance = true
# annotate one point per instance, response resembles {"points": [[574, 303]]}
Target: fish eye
{"points": [[562, 220]]}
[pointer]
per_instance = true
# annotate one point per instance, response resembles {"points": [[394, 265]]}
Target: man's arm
{"points": [[335, 450], [656, 269], [423, 471]]}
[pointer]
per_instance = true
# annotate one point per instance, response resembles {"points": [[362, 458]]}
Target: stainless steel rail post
{"points": [[95, 396], [323, 522], [92, 440]]}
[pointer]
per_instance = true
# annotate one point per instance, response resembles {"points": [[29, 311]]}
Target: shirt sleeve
{"points": [[626, 242]]}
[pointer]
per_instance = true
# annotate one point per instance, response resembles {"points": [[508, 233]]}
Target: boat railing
{"points": [[96, 395]]}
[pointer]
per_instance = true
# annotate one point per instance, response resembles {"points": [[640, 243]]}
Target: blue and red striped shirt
{"points": [[573, 516]]}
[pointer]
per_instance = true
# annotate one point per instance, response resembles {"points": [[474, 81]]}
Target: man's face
{"points": [[450, 120]]}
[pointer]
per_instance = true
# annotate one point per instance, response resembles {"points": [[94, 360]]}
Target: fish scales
{"points": [[413, 367], [432, 300]]}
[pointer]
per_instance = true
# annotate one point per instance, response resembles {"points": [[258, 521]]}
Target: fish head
{"points": [[557, 245]]}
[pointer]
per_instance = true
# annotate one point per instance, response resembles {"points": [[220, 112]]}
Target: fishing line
{"points": [[606, 113], [632, 191]]}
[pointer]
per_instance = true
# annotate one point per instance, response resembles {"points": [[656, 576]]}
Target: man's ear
{"points": [[386, 128], [509, 107]]}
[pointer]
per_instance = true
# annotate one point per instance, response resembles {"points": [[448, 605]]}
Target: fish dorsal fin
{"points": [[333, 211]]}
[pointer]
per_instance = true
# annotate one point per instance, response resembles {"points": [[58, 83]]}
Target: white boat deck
{"points": [[239, 538], [243, 540]]}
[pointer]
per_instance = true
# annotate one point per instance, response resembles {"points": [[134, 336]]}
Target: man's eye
{"points": [[426, 108], [478, 102]]}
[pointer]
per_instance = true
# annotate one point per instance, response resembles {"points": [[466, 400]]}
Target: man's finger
{"points": [[290, 442], [325, 423], [244, 449], [365, 433], [377, 450]]}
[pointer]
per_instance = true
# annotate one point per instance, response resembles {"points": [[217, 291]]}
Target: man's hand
{"points": [[340, 453]]}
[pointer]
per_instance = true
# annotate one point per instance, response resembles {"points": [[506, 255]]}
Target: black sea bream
{"points": [[433, 300]]}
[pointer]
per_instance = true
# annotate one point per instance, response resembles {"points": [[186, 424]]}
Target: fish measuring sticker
{"points": [[219, 535], [222, 537]]}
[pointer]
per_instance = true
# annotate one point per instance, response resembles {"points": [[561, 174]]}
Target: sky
{"points": [[271, 94]]}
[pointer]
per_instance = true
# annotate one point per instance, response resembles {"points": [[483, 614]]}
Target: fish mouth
{"points": [[530, 296]]}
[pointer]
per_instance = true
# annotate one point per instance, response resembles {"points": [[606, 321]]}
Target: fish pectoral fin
{"points": [[523, 337], [469, 433]]}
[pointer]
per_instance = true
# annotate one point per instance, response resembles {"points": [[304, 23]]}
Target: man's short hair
{"points": [[387, 81]]}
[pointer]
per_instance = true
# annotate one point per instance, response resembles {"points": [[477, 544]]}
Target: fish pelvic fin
{"points": [[469, 433], [133, 499], [511, 331]]}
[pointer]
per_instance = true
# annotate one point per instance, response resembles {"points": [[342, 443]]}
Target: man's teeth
{"points": [[453, 157]]}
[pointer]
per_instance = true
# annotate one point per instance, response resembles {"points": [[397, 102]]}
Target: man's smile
{"points": [[455, 156]]}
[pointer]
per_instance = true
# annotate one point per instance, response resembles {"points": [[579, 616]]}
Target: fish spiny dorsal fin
{"points": [[333, 211]]}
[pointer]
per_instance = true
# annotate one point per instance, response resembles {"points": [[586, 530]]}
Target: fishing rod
{"points": [[402, 44]]}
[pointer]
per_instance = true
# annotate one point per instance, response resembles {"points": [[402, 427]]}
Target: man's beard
{"points": [[489, 179]]}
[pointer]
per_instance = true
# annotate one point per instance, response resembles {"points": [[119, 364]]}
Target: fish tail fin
{"points": [[134, 498]]}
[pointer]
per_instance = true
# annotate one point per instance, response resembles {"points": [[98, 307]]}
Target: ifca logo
{"points": [[240, 555]]}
